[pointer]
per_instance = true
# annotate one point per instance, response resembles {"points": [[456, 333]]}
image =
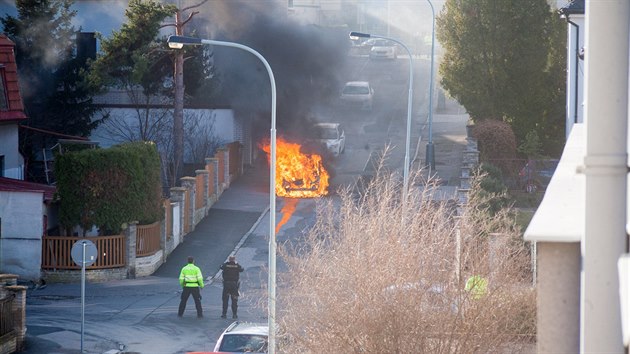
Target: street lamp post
{"points": [[178, 42], [357, 35], [430, 151]]}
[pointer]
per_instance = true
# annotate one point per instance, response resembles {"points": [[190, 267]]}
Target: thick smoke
{"points": [[305, 60]]}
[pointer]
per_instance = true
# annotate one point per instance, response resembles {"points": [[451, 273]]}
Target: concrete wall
{"points": [[21, 232], [13, 162], [558, 300], [224, 127]]}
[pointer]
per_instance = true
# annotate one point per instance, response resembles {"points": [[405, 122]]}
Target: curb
{"points": [[240, 243]]}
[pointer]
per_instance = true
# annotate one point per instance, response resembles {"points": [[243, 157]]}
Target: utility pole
{"points": [[178, 102]]}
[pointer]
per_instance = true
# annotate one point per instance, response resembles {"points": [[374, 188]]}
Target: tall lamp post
{"points": [[178, 42], [430, 151], [357, 35]]}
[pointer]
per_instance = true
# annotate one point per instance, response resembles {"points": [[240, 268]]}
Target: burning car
{"points": [[298, 174]]}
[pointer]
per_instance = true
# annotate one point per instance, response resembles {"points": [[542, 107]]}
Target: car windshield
{"points": [[244, 343], [381, 43], [327, 133], [356, 90]]}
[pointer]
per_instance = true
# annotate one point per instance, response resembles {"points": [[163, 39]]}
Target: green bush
{"points": [[492, 190], [109, 187]]}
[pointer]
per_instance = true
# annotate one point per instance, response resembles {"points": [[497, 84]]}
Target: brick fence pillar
{"points": [[177, 197], [226, 170], [214, 178], [9, 287], [189, 184], [19, 314], [130, 233], [204, 185]]}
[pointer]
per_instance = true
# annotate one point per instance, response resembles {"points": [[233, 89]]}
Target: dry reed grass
{"points": [[376, 276]]}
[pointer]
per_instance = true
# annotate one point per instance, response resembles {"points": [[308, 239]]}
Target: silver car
{"points": [[243, 337], [358, 93], [332, 136], [383, 49]]}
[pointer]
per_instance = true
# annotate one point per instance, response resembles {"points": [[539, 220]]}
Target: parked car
{"points": [[244, 337], [537, 174], [383, 49], [358, 93], [330, 135]]}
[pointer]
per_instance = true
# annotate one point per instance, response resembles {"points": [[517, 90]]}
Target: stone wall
{"points": [[149, 264], [92, 275], [14, 341]]}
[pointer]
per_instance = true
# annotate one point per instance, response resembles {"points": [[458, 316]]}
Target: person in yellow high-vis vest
{"points": [[477, 286], [191, 280]]}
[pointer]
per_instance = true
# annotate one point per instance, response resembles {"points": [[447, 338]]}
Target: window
{"points": [[1, 165], [4, 102]]}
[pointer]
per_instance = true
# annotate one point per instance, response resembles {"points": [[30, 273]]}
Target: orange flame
{"points": [[287, 211], [298, 175]]}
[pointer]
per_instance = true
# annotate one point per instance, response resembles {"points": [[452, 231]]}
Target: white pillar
{"points": [[606, 115]]}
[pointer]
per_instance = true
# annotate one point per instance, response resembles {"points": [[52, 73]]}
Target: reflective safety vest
{"points": [[477, 286], [191, 277]]}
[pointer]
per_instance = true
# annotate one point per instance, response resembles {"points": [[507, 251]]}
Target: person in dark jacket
{"points": [[231, 272]]}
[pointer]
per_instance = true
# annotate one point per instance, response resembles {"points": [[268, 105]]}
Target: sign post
{"points": [[84, 254]]}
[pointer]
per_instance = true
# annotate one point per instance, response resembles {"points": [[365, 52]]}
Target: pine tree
{"points": [[52, 83]]}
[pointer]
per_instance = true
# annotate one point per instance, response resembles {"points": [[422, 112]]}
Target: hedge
{"points": [[109, 187]]}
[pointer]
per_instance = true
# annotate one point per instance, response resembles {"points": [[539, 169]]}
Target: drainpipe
{"points": [[577, 62], [605, 169]]}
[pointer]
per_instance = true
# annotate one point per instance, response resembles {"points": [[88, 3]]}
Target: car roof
{"points": [[327, 125], [382, 43], [357, 83], [247, 328]]}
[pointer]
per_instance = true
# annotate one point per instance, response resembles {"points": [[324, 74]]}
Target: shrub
{"points": [[375, 276], [491, 192], [109, 187], [496, 141]]}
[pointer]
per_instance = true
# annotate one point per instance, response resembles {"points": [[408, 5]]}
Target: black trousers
{"points": [[194, 291], [230, 291]]}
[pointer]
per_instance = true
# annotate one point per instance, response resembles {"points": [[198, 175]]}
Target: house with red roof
{"points": [[11, 112], [26, 208]]}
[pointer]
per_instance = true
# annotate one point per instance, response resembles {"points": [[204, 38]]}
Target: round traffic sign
{"points": [[90, 252]]}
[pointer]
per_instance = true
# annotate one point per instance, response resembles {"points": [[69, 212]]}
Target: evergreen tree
{"points": [[502, 61], [136, 60], [52, 83]]}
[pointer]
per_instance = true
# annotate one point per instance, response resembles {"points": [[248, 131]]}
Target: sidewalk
{"points": [[449, 142], [140, 315]]}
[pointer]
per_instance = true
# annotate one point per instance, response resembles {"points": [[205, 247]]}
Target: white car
{"points": [[358, 93], [332, 136], [383, 49], [243, 337]]}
